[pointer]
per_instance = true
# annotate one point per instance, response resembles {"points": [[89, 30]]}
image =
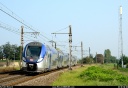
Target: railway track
{"points": [[16, 78]]}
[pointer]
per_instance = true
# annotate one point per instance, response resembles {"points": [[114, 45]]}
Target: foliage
{"points": [[88, 60], [98, 73], [107, 77], [9, 51], [108, 58], [70, 78], [107, 53], [125, 61]]}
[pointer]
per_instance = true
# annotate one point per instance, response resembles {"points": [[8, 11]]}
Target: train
{"points": [[39, 57]]}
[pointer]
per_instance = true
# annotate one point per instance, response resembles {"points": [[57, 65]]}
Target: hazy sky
{"points": [[94, 22]]}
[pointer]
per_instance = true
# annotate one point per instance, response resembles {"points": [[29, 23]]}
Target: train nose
{"points": [[31, 67]]}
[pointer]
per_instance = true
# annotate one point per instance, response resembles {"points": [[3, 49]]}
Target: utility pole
{"points": [[70, 44], [21, 47], [82, 53], [89, 52]]}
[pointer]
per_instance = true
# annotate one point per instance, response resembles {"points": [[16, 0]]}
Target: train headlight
{"points": [[40, 59]]}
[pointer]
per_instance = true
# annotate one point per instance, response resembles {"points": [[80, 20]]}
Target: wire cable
{"points": [[19, 20], [61, 29]]}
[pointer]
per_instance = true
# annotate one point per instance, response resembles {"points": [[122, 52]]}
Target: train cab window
{"points": [[33, 52]]}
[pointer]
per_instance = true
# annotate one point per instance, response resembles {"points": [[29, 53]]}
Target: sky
{"points": [[93, 22]]}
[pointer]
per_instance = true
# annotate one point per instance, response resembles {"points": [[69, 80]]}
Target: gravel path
{"points": [[46, 80]]}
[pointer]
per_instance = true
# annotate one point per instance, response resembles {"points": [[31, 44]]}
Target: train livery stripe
{"points": [[43, 52]]}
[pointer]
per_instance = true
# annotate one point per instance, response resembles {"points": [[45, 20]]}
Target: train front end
{"points": [[33, 56]]}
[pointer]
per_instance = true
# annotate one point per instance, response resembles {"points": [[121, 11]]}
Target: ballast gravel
{"points": [[46, 80]]}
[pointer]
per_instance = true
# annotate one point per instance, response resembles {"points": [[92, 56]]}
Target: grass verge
{"points": [[97, 75]]}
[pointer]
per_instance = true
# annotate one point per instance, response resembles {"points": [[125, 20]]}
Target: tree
{"points": [[125, 60], [107, 56], [7, 50], [11, 51], [88, 60], [113, 59], [1, 52], [17, 53]]}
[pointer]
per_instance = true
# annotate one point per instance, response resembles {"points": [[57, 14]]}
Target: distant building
{"points": [[100, 58]]}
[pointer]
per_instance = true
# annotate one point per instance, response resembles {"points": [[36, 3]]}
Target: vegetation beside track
{"points": [[94, 75], [8, 69]]}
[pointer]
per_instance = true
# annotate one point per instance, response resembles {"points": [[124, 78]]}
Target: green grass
{"points": [[70, 78], [98, 75]]}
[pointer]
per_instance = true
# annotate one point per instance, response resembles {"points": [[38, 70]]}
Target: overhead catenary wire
{"points": [[22, 22], [14, 17], [8, 27], [11, 29], [61, 29], [9, 10], [57, 37]]}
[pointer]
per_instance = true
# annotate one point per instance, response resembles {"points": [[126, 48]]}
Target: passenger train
{"points": [[38, 57]]}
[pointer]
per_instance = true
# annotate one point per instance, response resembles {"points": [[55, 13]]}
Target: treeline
{"points": [[99, 58], [9, 51], [106, 58]]}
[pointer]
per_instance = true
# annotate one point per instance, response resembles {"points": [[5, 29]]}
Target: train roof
{"points": [[35, 44], [47, 46], [51, 48]]}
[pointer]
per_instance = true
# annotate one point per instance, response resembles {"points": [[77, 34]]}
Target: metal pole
{"points": [[70, 45], [81, 54], [21, 48]]}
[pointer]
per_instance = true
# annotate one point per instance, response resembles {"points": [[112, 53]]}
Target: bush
{"points": [[98, 73]]}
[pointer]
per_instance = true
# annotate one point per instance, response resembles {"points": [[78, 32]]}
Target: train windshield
{"points": [[33, 52]]}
